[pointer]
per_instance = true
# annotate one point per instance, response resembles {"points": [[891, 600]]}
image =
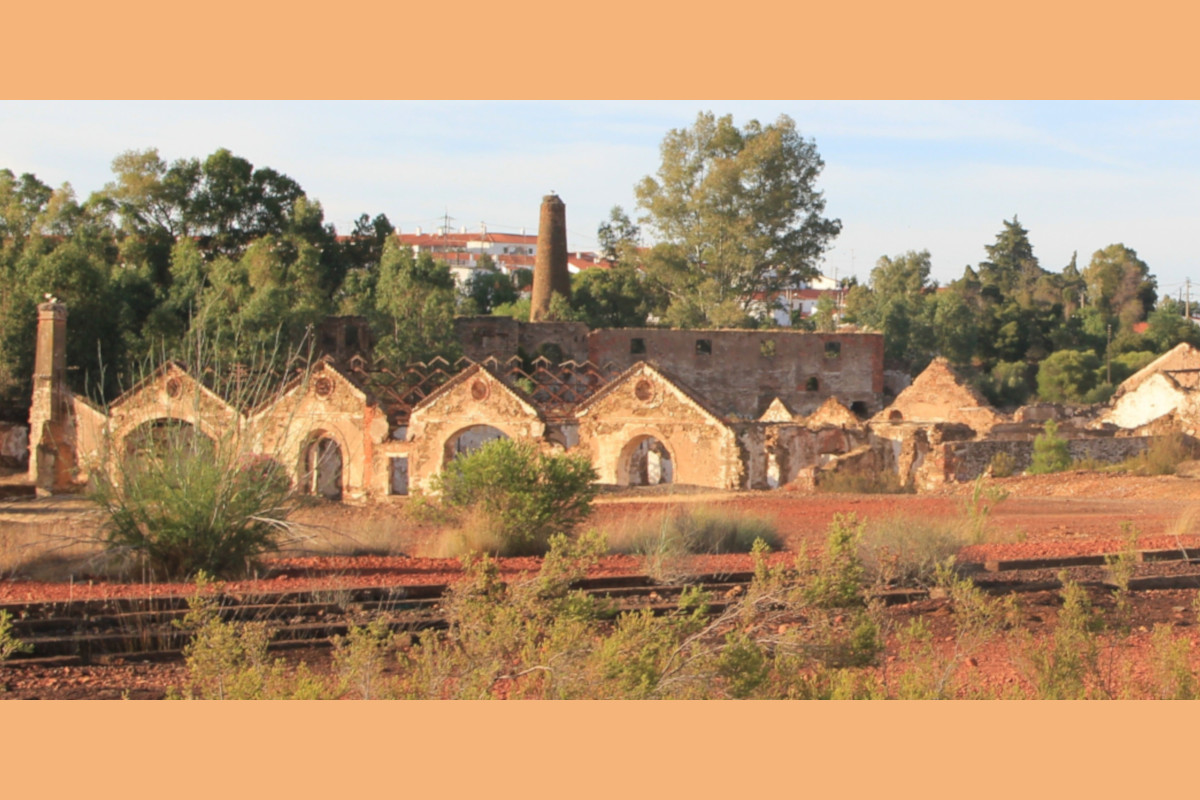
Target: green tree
{"points": [[612, 298], [414, 307], [736, 213], [488, 287], [898, 305], [1050, 453], [1068, 376], [1120, 285]]}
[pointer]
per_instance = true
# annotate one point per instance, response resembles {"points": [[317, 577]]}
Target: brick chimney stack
{"points": [[51, 440], [550, 275]]}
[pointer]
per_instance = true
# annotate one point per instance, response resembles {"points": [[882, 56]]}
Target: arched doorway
{"points": [[166, 436], [321, 468], [645, 461], [468, 440]]}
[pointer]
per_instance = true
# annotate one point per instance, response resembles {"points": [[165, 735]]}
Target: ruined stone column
{"points": [[51, 439], [550, 274]]}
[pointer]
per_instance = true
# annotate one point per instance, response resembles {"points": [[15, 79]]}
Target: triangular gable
{"points": [[311, 384], [1182, 357], [149, 389], [833, 413], [626, 386], [465, 386], [777, 411], [938, 394]]}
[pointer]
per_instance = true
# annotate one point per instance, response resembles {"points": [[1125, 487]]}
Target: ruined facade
{"points": [[646, 406], [726, 409]]}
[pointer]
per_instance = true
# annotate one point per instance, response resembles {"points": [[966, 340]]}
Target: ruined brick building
{"points": [[718, 408], [725, 409]]}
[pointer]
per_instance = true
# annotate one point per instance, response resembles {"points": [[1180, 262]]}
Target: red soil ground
{"points": [[1047, 515]]}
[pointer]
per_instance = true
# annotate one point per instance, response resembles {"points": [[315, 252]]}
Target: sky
{"points": [[940, 176]]}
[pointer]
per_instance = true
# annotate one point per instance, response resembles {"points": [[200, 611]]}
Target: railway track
{"points": [[146, 629]]}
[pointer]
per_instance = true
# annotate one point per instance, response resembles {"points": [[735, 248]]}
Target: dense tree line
{"points": [[1019, 329], [213, 247]]}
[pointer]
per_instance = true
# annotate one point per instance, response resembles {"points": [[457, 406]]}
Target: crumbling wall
{"points": [[966, 461], [740, 372], [1152, 398]]}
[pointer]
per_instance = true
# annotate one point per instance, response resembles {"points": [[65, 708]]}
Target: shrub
{"points": [[908, 550], [1066, 376], [518, 494], [1050, 452], [696, 529], [839, 577], [228, 660], [9, 644], [1163, 457], [178, 502], [188, 504], [1002, 465]]}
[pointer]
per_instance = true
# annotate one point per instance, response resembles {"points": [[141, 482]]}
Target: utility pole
{"points": [[1108, 354], [1187, 308]]}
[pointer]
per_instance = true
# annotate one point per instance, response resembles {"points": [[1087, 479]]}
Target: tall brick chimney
{"points": [[550, 275], [51, 439]]}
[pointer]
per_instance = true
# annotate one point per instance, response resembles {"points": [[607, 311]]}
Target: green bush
{"points": [[1050, 452], [9, 644], [186, 504], [520, 495]]}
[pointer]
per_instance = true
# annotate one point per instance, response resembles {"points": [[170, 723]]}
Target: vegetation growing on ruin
{"points": [[1050, 453]]}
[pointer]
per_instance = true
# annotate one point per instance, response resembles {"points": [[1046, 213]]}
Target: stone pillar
{"points": [[51, 438], [550, 274]]}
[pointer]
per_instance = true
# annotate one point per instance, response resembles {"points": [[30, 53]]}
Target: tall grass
{"points": [[178, 498], [693, 529]]}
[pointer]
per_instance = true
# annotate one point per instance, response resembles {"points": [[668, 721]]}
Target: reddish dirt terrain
{"points": [[1070, 513]]}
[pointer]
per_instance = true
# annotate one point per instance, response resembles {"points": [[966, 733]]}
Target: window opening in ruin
{"points": [[812, 385], [704, 347], [648, 462], [399, 475], [322, 469], [859, 409], [895, 416], [468, 440], [637, 346], [352, 336], [833, 349], [767, 348]]}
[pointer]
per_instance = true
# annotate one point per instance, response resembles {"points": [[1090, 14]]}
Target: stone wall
{"points": [[965, 461]]}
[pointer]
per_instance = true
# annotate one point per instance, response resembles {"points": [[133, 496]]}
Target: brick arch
{"points": [[625, 456], [449, 447], [129, 429], [312, 462]]}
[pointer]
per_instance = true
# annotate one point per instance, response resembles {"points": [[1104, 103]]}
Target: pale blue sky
{"points": [[900, 175]]}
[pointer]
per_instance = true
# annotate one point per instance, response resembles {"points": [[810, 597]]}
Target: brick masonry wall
{"points": [[740, 372]]}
